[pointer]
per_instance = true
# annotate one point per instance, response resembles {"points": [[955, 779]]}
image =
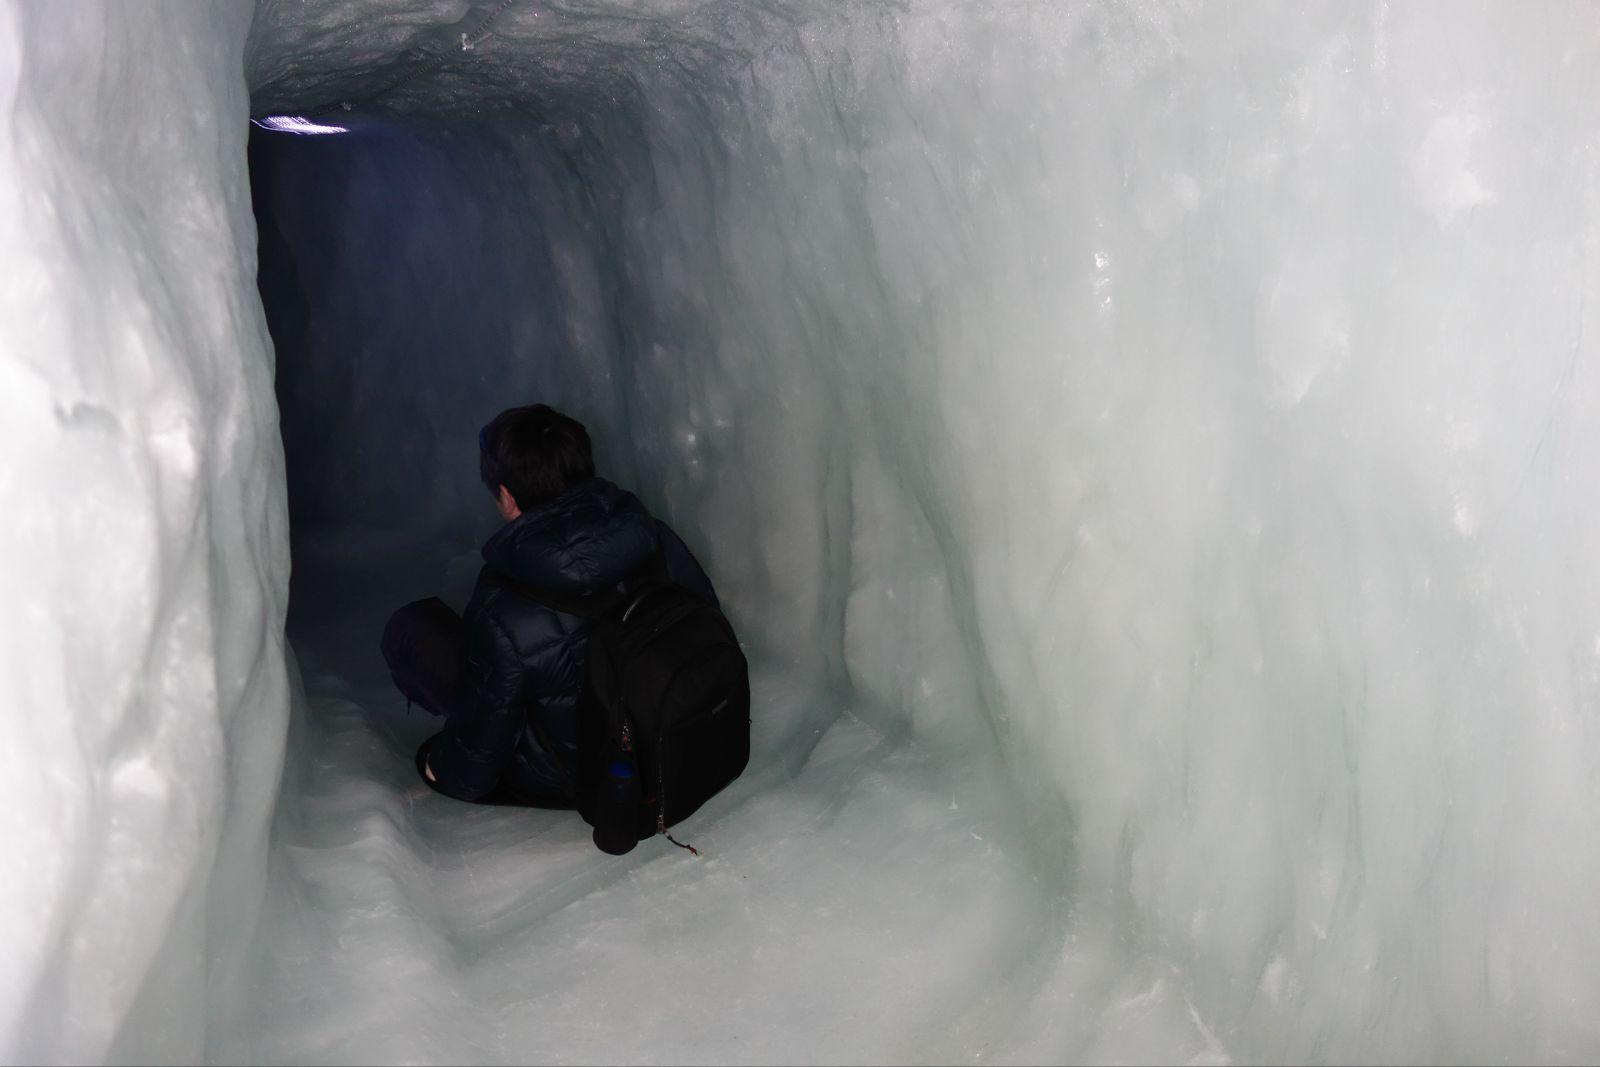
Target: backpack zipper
{"points": [[661, 812]]}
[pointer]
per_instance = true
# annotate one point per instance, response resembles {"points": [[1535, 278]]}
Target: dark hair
{"points": [[536, 452]]}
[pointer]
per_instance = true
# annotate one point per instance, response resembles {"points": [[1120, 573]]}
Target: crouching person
{"points": [[509, 675]]}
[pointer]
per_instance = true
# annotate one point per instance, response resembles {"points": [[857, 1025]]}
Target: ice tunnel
{"points": [[1148, 449]]}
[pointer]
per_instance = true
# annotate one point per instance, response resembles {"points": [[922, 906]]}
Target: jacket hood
{"points": [[592, 536]]}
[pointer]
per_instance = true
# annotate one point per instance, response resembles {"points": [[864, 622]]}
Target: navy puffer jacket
{"points": [[525, 661]]}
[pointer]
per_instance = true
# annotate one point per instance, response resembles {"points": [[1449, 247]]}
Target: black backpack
{"points": [[668, 695]]}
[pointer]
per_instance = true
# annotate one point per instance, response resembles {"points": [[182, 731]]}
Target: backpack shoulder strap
{"points": [[654, 568]]}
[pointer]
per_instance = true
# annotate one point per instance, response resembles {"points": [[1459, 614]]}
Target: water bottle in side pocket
{"points": [[616, 822]]}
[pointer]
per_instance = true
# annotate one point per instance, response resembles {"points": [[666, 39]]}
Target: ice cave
{"points": [[1148, 448]]}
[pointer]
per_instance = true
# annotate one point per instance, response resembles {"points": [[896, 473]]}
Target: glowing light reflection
{"points": [[296, 124]]}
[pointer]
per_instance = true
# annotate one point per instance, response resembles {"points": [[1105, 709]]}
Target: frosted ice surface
{"points": [[1147, 447], [842, 912], [144, 547]]}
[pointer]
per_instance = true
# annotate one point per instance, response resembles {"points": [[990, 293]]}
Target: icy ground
{"points": [[857, 900], [851, 896]]}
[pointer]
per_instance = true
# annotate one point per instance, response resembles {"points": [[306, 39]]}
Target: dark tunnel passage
{"points": [[408, 274], [410, 278]]}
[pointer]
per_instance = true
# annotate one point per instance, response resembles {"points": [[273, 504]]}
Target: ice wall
{"points": [[144, 541], [1236, 364], [1185, 403]]}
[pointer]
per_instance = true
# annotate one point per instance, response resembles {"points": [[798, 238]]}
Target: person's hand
{"points": [[427, 771]]}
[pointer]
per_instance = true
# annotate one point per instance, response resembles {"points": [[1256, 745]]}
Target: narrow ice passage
{"points": [[1146, 447], [469, 935]]}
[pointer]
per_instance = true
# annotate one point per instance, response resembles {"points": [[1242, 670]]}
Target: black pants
{"points": [[424, 644]]}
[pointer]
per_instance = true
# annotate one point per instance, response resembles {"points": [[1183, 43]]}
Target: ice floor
{"points": [[851, 896], [857, 900]]}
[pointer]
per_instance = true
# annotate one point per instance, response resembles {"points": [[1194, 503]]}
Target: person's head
{"points": [[530, 455]]}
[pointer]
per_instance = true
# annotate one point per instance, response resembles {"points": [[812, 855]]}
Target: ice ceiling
{"points": [[1147, 447], [497, 57]]}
